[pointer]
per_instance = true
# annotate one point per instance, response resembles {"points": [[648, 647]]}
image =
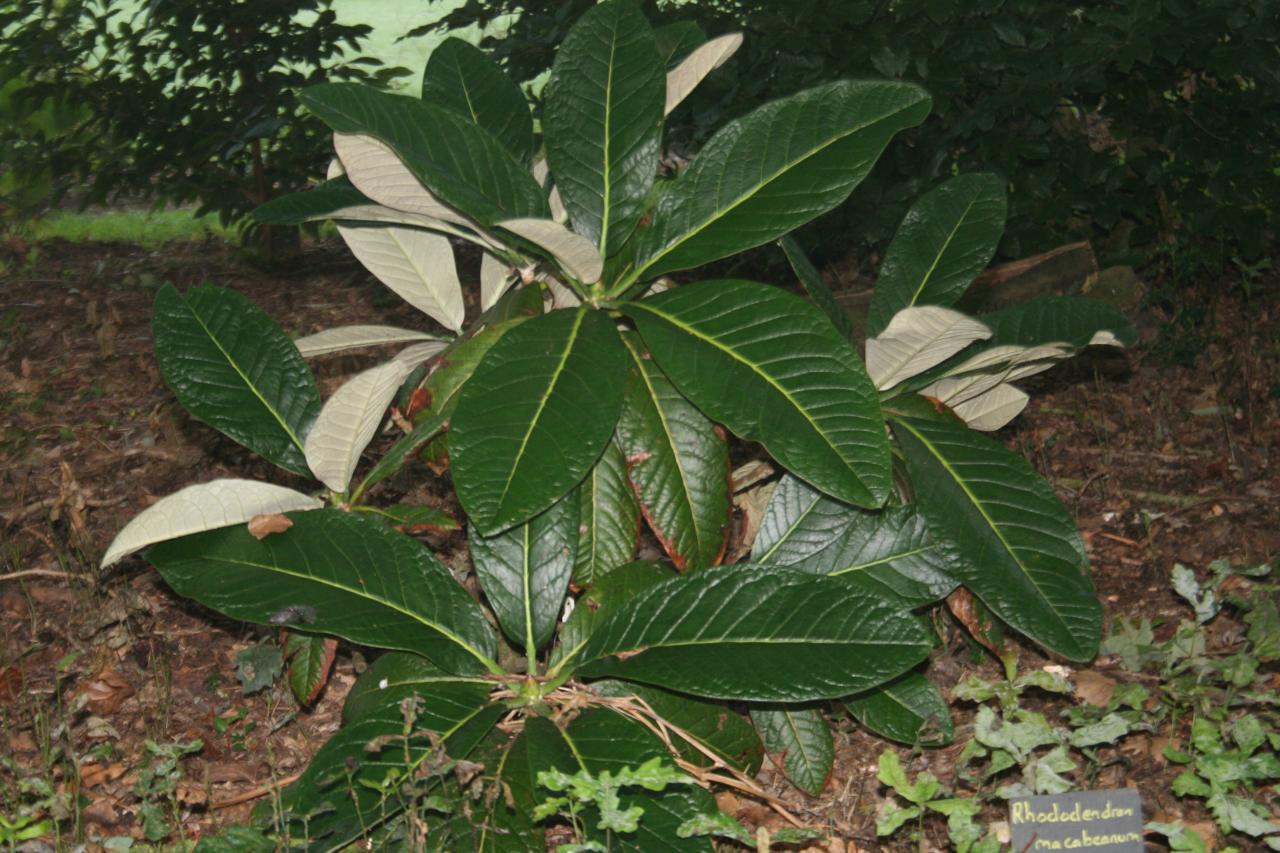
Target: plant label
{"points": [[1096, 821]]}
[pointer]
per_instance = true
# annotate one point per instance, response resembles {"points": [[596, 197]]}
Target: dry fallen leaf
{"points": [[262, 526], [92, 775], [1094, 687], [106, 691]]}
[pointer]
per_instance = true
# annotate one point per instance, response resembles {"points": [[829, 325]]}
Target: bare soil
{"points": [[1159, 463]]}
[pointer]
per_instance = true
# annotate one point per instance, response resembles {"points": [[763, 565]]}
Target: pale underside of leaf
{"points": [[204, 506], [412, 356], [1105, 338], [390, 216], [686, 76], [576, 254], [559, 296], [917, 339], [355, 337], [540, 172], [496, 275], [378, 172], [992, 410], [348, 421], [417, 265], [996, 366]]}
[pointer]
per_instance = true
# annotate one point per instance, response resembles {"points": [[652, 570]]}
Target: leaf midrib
{"points": [[758, 370], [244, 378], [721, 212], [445, 632], [982, 510], [570, 340], [937, 258], [667, 434]]}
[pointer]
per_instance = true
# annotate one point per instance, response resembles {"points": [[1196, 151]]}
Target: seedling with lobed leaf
{"points": [[582, 393]]}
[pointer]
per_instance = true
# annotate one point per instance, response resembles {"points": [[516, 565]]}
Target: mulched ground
{"points": [[1160, 464]]}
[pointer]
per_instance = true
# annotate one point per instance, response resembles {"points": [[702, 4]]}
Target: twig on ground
{"points": [[35, 573], [255, 793]]}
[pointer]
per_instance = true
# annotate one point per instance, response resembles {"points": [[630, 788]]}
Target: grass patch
{"points": [[146, 228]]}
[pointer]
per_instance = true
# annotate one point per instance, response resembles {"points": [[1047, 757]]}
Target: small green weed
{"points": [[157, 788], [584, 789]]}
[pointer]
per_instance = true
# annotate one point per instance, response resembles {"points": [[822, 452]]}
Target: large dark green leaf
{"points": [[804, 529], [610, 522], [716, 727], [811, 281], [398, 675], [757, 633], [604, 740], [462, 165], [535, 416], [334, 573], [525, 572], [910, 710], [1070, 319], [945, 240], [1015, 544], [603, 121], [606, 594], [773, 170], [800, 736], [232, 367], [770, 367], [677, 462], [459, 76], [342, 789]]}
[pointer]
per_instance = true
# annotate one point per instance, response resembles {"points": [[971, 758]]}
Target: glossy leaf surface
{"points": [[810, 532], [909, 710], [1016, 546], [603, 121], [233, 368], [676, 463], [772, 368], [801, 739], [610, 518], [461, 77], [525, 572], [535, 416], [774, 169], [334, 573], [458, 163], [946, 239], [757, 633]]}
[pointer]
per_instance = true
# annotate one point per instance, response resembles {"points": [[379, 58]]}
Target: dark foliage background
{"points": [[1142, 122]]}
